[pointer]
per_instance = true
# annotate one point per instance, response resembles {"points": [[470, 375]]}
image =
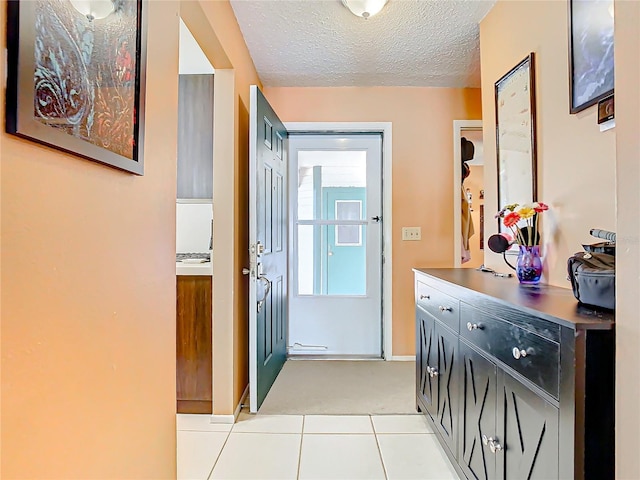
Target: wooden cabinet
{"points": [[194, 344], [514, 390], [195, 137]]}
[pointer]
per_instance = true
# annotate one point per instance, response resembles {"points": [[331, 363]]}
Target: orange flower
{"points": [[511, 219]]}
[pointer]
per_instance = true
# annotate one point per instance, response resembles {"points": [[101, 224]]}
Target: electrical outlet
{"points": [[411, 233]]}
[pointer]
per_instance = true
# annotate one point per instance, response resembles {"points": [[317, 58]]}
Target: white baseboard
{"points": [[403, 358], [228, 419], [200, 422]]}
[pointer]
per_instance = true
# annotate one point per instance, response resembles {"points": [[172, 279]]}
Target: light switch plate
{"points": [[411, 233]]}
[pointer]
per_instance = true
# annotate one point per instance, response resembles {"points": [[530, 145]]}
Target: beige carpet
{"points": [[342, 387]]}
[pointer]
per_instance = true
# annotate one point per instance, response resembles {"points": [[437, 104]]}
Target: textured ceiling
{"points": [[306, 43]]}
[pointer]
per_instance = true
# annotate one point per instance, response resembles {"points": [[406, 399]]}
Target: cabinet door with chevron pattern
{"points": [[426, 361], [529, 427], [477, 414], [448, 385]]}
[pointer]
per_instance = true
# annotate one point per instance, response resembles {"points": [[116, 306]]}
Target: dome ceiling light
{"points": [[94, 9], [364, 8]]}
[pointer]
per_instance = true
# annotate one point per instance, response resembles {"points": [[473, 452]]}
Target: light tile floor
{"points": [[323, 447]]}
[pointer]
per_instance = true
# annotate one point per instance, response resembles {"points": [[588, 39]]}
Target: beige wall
{"points": [[422, 169], [88, 297], [576, 163], [627, 41]]}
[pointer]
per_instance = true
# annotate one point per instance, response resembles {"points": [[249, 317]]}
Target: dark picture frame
{"points": [[516, 151], [515, 103], [76, 82], [591, 47]]}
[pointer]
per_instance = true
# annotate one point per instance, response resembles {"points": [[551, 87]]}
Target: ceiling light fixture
{"points": [[364, 8], [94, 9]]}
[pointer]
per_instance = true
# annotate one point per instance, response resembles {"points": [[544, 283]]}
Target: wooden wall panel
{"points": [[193, 344]]}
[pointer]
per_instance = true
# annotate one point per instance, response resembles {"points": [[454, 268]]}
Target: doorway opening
{"points": [[382, 130], [194, 228], [211, 306], [335, 206], [468, 194], [229, 289], [335, 263]]}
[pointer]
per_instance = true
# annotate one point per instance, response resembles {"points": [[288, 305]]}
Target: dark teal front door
{"points": [[268, 234]]}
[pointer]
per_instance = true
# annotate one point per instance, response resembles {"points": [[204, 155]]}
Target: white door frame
{"points": [[385, 128], [459, 126]]}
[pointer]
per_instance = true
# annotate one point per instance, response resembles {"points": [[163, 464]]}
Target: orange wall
{"points": [[576, 162], [422, 169], [88, 297], [627, 41]]}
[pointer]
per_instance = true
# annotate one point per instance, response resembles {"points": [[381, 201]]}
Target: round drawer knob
{"points": [[472, 326], [518, 353], [444, 309], [422, 297], [495, 446]]}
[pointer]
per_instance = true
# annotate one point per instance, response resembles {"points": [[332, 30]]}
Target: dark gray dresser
{"points": [[518, 382]]}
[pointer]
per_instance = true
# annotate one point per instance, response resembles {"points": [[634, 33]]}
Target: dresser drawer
{"points": [[533, 356], [443, 307]]}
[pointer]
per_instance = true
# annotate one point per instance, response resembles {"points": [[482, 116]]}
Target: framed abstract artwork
{"points": [[516, 135], [591, 69], [76, 77]]}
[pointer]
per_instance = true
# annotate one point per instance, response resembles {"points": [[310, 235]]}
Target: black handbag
{"points": [[593, 278]]}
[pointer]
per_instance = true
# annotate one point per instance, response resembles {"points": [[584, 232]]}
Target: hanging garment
{"points": [[467, 226]]}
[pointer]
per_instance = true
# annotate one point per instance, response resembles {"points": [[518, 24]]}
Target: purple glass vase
{"points": [[529, 265]]}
